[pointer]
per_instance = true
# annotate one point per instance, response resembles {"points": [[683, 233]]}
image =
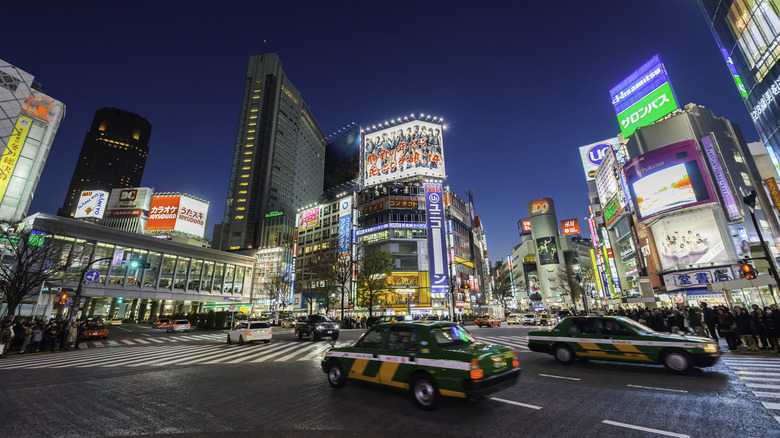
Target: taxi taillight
{"points": [[249, 332], [476, 372], [270, 332], [515, 363]]}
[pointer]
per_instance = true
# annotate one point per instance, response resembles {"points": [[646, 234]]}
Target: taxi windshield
{"points": [[641, 328], [451, 335]]}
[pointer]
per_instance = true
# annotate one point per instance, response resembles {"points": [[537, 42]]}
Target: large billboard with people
{"points": [[413, 148], [692, 239], [668, 179]]}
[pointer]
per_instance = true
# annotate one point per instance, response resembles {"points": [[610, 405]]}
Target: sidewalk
{"points": [[742, 350]]}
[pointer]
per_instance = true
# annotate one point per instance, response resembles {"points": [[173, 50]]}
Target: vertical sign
{"points": [[471, 209], [345, 224], [771, 185], [597, 276], [721, 179], [437, 249], [11, 152], [119, 256]]}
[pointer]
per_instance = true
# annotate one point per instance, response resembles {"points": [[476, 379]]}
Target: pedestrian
{"points": [[63, 335], [27, 338], [52, 336], [37, 335], [73, 334], [694, 321], [760, 321], [710, 318], [81, 328], [726, 327], [363, 321], [6, 336], [745, 328]]}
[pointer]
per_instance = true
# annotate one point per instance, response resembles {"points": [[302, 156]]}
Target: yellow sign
{"points": [[774, 192], [596, 272], [11, 153]]}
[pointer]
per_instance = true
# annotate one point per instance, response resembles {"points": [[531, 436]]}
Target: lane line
{"points": [[766, 394], [559, 377], [295, 353], [516, 403], [759, 385], [659, 389], [646, 429], [770, 405], [120, 328]]}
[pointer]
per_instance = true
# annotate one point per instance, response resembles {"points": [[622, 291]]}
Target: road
{"points": [[148, 382]]}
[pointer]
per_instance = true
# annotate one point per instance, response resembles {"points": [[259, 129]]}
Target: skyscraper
{"points": [[113, 155], [29, 120], [277, 163]]}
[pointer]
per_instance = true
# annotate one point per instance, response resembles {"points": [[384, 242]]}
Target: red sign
{"points": [[163, 214], [570, 226], [527, 226]]}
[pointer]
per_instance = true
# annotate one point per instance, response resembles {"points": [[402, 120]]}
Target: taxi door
{"points": [[371, 347], [401, 352], [619, 341], [583, 337]]}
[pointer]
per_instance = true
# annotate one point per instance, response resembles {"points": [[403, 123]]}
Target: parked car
{"points": [[250, 331], [529, 319], [162, 323], [429, 359], [180, 325], [623, 340], [94, 331], [316, 327], [488, 321], [513, 318]]}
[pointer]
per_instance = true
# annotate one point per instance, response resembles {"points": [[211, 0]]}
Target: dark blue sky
{"points": [[521, 85]]}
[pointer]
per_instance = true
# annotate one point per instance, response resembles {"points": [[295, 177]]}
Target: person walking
{"points": [[745, 328], [710, 318], [73, 334], [6, 336]]}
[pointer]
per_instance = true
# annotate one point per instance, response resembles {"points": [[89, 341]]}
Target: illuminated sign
{"points": [[133, 202], [697, 278], [540, 207], [403, 204], [689, 240], [345, 225], [524, 226], [309, 219], [547, 250], [769, 96], [592, 154], [721, 179], [178, 213], [643, 97], [437, 247], [408, 149], [668, 179], [274, 214], [612, 212], [771, 186], [11, 153], [91, 204], [734, 73], [606, 183], [39, 106], [570, 226]]}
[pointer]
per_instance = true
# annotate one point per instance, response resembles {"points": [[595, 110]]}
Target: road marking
{"points": [[183, 357], [516, 403], [278, 352], [142, 341], [756, 367], [145, 334], [659, 389], [314, 354], [156, 340], [646, 429], [758, 385], [295, 353], [763, 379], [98, 344], [777, 418], [120, 328], [770, 405], [766, 394], [258, 352], [559, 377], [756, 373], [129, 342]]}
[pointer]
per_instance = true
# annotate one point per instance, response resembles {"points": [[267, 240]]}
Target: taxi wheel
{"points": [[266, 341], [677, 361], [564, 354], [336, 376], [313, 336], [229, 341], [300, 335], [424, 392], [240, 340]]}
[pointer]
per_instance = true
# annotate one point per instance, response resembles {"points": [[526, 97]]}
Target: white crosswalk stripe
{"points": [[516, 342], [179, 337], [761, 373]]}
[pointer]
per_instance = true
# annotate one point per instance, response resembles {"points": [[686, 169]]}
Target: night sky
{"points": [[520, 85]]}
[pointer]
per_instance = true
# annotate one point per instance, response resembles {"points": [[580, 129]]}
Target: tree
{"points": [[29, 258], [278, 288], [373, 267], [335, 270], [502, 287], [568, 280], [305, 285]]}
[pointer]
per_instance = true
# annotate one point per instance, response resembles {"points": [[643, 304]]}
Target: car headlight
{"points": [[319, 327], [711, 348], [336, 326]]}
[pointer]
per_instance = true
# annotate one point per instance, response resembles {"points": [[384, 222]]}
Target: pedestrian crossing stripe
{"points": [[158, 340], [175, 354], [761, 374]]}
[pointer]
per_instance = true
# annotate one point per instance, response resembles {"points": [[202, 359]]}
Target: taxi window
{"points": [[451, 335], [583, 326], [402, 339], [372, 339], [259, 325], [615, 328], [241, 326]]}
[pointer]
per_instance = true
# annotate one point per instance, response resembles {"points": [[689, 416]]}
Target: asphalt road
{"points": [[148, 382]]}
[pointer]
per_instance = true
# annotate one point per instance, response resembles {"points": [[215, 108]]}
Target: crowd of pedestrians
{"points": [[755, 328], [23, 336]]}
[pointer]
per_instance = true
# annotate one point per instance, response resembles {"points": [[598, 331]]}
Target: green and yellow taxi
{"points": [[623, 340], [428, 359]]}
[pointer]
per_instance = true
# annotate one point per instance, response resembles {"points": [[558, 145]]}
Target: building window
{"points": [[746, 179], [241, 216]]}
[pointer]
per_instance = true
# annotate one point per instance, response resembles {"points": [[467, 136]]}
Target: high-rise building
{"points": [[277, 162], [112, 157], [29, 120], [748, 34]]}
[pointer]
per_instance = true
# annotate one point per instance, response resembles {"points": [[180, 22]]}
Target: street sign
{"points": [[92, 275], [232, 307]]}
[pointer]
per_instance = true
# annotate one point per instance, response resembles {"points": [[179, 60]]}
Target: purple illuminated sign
{"points": [[638, 84], [722, 181], [437, 247]]}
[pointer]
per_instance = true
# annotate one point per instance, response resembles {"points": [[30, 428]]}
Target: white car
{"points": [[179, 325], [529, 319], [250, 331], [513, 318]]}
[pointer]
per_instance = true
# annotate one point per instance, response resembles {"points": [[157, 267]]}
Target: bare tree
{"points": [[373, 267], [278, 288], [502, 287], [336, 271], [306, 286], [29, 258], [568, 283]]}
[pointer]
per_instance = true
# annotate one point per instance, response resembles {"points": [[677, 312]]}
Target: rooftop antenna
{"points": [[265, 44]]}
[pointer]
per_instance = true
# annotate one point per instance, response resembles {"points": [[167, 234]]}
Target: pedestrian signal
{"points": [[748, 271], [63, 299]]}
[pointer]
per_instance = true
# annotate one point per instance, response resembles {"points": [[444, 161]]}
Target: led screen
{"points": [[547, 250], [689, 240], [409, 149]]}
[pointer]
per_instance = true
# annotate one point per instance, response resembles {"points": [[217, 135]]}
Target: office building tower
{"points": [[29, 120], [112, 157]]}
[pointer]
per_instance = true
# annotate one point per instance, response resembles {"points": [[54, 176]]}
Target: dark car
{"points": [[316, 327]]}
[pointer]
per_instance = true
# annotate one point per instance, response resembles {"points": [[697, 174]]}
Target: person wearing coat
{"points": [[694, 321], [745, 328], [73, 335], [725, 322]]}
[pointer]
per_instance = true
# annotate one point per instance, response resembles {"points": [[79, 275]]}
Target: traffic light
{"points": [[748, 271], [119, 300], [64, 298]]}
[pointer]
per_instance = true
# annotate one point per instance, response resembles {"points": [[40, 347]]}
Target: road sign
{"points": [[92, 275], [232, 307]]}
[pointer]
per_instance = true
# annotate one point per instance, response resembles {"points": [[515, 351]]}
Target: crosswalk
{"points": [[518, 343], [153, 340], [761, 375]]}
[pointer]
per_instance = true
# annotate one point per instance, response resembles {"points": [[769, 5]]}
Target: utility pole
{"points": [[750, 201]]}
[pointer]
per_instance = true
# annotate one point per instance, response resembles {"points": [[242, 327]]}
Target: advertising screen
{"points": [[534, 285], [163, 213], [12, 151], [408, 149], [342, 159], [437, 246], [309, 219], [592, 154], [91, 204], [134, 202], [668, 179], [689, 240], [524, 226], [547, 250], [606, 183], [643, 97]]}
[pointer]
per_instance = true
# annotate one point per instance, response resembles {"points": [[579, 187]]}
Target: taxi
{"points": [[428, 359], [622, 339], [94, 331], [487, 320]]}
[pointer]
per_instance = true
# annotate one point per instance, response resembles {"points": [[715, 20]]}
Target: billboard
{"points": [[721, 178], [592, 154], [668, 179], [178, 213], [689, 240], [91, 204], [437, 247], [570, 226], [309, 219], [408, 149], [345, 225], [534, 285], [643, 97], [342, 159], [547, 250], [12, 150], [524, 226], [133, 202], [698, 278], [606, 183]]}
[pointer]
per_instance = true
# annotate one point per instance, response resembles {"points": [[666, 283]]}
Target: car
{"points": [[316, 327], [488, 321], [622, 339], [394, 318], [529, 319], [250, 331], [180, 325], [544, 320], [115, 321], [513, 318], [429, 359], [162, 323], [94, 331], [288, 323]]}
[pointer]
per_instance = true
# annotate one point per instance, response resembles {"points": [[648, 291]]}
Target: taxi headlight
{"points": [[319, 327], [711, 348], [335, 326]]}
